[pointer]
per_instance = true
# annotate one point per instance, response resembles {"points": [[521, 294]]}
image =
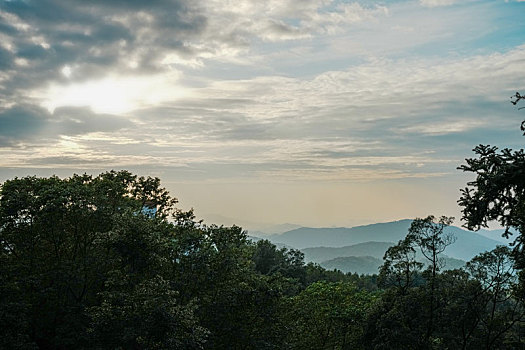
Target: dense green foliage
{"points": [[471, 308], [108, 262]]}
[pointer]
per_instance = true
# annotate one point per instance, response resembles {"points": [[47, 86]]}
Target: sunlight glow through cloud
{"points": [[114, 94]]}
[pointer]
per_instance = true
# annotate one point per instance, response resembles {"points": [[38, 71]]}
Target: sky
{"points": [[312, 112]]}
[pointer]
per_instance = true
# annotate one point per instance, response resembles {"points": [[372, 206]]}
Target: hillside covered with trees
{"points": [[109, 262]]}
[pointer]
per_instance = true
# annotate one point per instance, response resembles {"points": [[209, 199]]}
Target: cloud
{"points": [[18, 123], [385, 118], [91, 39], [392, 117], [129, 36], [117, 56], [247, 20], [437, 3], [222, 89], [32, 124]]}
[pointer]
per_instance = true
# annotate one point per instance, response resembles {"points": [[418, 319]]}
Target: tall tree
{"points": [[400, 266], [497, 276], [429, 235], [498, 193]]}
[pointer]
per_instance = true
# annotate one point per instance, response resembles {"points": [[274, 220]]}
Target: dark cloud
{"points": [[29, 123], [93, 36], [20, 122], [6, 59]]}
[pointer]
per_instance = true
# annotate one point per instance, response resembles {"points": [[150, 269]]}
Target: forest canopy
{"points": [[110, 262]]}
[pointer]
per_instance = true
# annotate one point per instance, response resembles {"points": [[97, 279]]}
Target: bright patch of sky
{"points": [[316, 112]]}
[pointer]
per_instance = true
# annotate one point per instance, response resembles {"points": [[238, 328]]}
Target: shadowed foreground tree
{"points": [[82, 266], [497, 193], [497, 277], [472, 308], [428, 234]]}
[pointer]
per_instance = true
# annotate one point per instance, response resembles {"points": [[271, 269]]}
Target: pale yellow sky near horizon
{"points": [[318, 204]]}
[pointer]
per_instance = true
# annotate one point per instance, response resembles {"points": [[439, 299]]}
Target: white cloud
{"points": [[258, 110], [14, 21], [386, 87], [240, 22], [452, 126], [436, 3], [357, 124]]}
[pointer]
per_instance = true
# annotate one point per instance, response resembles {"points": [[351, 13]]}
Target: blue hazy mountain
{"points": [[305, 237], [467, 245], [497, 235]]}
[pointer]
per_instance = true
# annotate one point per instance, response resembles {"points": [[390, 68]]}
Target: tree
{"points": [[78, 256], [497, 193], [461, 301], [429, 235], [400, 266], [271, 261], [398, 321], [215, 271], [328, 316], [138, 306], [497, 276], [477, 307]]}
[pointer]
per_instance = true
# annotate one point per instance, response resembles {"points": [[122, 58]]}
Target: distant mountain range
{"points": [[467, 245], [273, 229], [360, 249], [306, 237]]}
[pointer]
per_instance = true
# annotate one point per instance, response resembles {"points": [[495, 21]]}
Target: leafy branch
{"points": [[514, 100]]}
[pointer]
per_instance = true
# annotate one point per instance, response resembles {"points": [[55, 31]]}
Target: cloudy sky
{"points": [[316, 112]]}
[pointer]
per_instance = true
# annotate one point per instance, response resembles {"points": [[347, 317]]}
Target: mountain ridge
{"points": [[467, 245]]}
